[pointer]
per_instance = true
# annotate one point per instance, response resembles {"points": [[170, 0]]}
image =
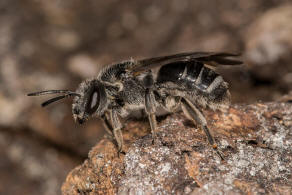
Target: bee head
{"points": [[91, 102], [89, 99]]}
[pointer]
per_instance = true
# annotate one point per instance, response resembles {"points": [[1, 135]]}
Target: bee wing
{"points": [[209, 58]]}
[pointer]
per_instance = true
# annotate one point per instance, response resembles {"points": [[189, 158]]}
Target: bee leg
{"points": [[195, 115], [150, 110], [116, 129], [107, 124]]}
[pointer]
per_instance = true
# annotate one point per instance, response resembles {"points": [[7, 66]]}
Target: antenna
{"points": [[66, 92]]}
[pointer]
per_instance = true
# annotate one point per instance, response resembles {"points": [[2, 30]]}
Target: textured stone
{"points": [[255, 140]]}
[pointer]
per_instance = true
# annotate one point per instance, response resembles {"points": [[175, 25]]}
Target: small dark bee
{"points": [[170, 82]]}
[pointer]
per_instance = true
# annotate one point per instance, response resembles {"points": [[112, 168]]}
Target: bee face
{"points": [[78, 110], [91, 101]]}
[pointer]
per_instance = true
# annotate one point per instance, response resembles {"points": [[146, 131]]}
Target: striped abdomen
{"points": [[199, 82]]}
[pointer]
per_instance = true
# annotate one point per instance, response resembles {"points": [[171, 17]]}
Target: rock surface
{"points": [[255, 139]]}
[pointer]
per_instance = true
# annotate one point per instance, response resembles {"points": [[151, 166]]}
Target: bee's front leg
{"points": [[107, 124], [114, 126]]}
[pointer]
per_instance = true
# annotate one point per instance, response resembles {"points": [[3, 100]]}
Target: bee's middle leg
{"points": [[150, 109]]}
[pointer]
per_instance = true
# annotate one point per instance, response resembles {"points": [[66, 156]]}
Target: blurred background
{"points": [[55, 44]]}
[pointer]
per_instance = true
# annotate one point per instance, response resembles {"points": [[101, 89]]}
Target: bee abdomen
{"points": [[199, 76], [197, 79], [209, 83]]}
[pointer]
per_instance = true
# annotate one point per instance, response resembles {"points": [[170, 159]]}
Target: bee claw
{"points": [[215, 147]]}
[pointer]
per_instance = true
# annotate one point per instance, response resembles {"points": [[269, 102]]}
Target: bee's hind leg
{"points": [[195, 115]]}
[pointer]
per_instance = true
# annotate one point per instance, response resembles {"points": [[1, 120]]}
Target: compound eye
{"points": [[93, 102]]}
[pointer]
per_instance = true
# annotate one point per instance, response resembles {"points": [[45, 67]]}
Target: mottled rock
{"points": [[255, 140]]}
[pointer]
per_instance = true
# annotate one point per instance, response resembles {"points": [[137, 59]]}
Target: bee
{"points": [[183, 81]]}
